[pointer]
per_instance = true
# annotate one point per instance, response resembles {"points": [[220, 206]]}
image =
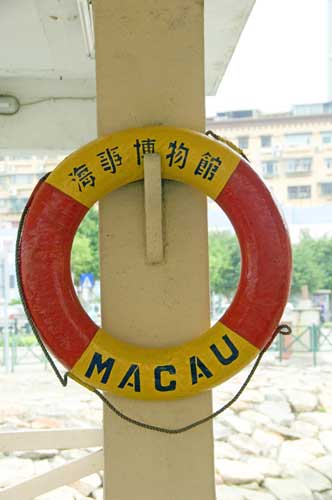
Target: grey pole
{"points": [[5, 277]]}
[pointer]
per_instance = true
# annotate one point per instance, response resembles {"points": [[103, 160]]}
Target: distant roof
{"points": [[298, 111]]}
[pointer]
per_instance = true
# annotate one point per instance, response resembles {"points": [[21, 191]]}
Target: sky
{"points": [[280, 60]]}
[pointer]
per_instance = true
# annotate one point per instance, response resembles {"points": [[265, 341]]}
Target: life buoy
{"points": [[93, 356]]}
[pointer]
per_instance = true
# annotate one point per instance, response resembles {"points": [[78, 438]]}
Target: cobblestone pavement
{"points": [[274, 443]]}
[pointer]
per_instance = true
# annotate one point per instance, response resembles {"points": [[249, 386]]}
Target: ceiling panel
{"points": [[23, 46], [43, 62], [42, 38]]}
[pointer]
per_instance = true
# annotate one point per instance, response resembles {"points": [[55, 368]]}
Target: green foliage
{"points": [[14, 302], [324, 260], [305, 268], [225, 262], [85, 252], [27, 341], [20, 340], [312, 263]]}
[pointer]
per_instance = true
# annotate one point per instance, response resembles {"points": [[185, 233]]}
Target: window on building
{"points": [[308, 109], [328, 164], [21, 156], [243, 141], [298, 192], [17, 204], [269, 168], [326, 188], [266, 141], [4, 205], [24, 179], [326, 137], [297, 140], [298, 165]]}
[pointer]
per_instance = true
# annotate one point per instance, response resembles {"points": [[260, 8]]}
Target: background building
{"points": [[19, 173], [293, 153]]}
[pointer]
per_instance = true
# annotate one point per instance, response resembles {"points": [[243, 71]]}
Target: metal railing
{"points": [[23, 348], [311, 339]]}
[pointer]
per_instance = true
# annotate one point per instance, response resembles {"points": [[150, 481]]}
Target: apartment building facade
{"points": [[291, 151], [19, 173]]}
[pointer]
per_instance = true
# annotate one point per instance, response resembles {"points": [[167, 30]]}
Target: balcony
{"points": [[298, 173], [298, 167]]}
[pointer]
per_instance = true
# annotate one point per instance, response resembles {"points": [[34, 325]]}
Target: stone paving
{"points": [[274, 443]]}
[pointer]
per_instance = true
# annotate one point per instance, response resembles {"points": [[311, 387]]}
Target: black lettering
{"points": [[133, 371], [233, 355], [157, 378], [97, 362], [195, 363]]}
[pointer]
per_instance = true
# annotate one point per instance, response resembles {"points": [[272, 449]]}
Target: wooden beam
{"points": [[60, 476], [59, 439]]}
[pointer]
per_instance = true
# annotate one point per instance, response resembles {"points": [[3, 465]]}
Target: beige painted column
{"points": [[150, 70]]}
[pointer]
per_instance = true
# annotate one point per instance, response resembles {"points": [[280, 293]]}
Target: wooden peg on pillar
{"points": [[153, 209]]}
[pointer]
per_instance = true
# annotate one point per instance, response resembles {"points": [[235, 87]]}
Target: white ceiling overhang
{"points": [[43, 62]]}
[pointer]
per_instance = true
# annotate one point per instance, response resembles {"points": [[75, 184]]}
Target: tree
{"points": [[312, 263], [323, 255], [225, 263], [85, 252]]}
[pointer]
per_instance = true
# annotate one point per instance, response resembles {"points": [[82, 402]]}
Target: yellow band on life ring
{"points": [[111, 162], [175, 372]]}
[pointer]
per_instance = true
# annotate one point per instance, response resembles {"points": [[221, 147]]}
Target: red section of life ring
{"points": [[49, 230], [50, 227], [266, 256]]}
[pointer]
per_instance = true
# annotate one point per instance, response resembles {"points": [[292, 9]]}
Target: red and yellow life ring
{"points": [[93, 356]]}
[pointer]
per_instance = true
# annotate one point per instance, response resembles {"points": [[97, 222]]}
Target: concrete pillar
{"points": [[150, 70]]}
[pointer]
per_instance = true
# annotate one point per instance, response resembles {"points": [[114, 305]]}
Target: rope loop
{"points": [[282, 329], [227, 142]]}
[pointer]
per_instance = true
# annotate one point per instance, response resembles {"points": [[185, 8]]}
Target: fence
{"points": [[304, 339], [24, 349]]}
